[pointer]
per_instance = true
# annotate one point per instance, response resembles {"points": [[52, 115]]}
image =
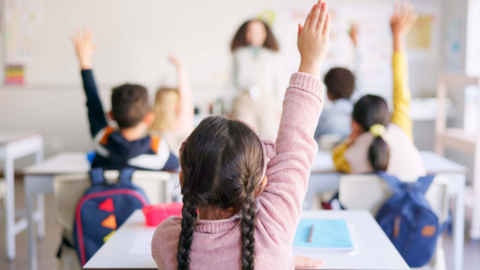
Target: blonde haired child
{"points": [[174, 110]]}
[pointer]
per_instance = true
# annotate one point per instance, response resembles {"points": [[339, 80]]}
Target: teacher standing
{"points": [[255, 93]]}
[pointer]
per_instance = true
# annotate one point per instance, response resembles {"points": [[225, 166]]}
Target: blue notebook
{"points": [[327, 235]]}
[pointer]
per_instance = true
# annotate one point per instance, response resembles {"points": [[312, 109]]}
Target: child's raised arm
{"points": [[289, 171], [401, 22], [185, 111], [85, 49]]}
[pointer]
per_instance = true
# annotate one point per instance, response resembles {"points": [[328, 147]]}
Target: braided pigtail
{"points": [[249, 219], [189, 215]]}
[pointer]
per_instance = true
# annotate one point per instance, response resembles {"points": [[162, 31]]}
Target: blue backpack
{"points": [[103, 209], [409, 221]]}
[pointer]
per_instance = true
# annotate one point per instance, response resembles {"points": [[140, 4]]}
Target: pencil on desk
{"points": [[311, 234]]}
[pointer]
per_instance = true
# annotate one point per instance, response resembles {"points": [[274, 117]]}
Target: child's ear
{"points": [[110, 114], [330, 97], [148, 118], [356, 128], [262, 186]]}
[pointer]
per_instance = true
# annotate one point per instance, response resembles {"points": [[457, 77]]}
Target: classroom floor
{"points": [[48, 247]]}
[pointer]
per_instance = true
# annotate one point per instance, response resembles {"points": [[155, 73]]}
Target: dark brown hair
{"points": [[240, 38], [368, 111], [222, 163], [129, 104], [340, 83]]}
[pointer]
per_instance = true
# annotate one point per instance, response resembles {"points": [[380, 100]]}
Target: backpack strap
{"points": [[393, 182], [125, 176], [96, 176], [423, 183]]}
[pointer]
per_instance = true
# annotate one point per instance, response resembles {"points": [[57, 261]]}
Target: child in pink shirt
{"points": [[239, 212]]}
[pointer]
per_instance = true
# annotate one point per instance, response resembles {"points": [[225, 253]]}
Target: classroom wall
{"points": [[58, 111]]}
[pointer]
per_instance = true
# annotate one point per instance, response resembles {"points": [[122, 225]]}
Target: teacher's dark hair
{"points": [[240, 38]]}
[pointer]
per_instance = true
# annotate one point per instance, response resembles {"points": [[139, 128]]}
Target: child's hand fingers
{"points": [[326, 28], [88, 35], [316, 15], [397, 8], [299, 29], [309, 17], [323, 15]]}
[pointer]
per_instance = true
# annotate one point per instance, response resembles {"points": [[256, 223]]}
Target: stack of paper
{"points": [[326, 235]]}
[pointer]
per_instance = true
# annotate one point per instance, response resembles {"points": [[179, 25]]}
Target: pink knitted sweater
{"points": [[217, 244]]}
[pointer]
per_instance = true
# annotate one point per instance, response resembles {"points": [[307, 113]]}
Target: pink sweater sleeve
{"points": [[288, 172]]}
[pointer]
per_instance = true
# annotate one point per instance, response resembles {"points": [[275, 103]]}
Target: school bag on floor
{"points": [[409, 221], [103, 209]]}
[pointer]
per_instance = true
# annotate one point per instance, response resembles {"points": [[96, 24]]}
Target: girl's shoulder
{"points": [[165, 242], [168, 227]]}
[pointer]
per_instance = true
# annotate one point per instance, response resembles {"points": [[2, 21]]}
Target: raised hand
{"points": [[402, 20], [353, 33], [313, 39], [175, 60], [85, 47]]}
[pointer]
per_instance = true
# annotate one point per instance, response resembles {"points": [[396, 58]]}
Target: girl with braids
{"points": [[242, 195], [380, 142]]}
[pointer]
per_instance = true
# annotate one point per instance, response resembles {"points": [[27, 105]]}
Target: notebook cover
{"points": [[328, 234]]}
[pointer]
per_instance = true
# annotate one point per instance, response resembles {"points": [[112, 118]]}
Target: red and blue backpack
{"points": [[103, 209]]}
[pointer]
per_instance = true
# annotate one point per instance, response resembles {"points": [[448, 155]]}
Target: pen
{"points": [[311, 234]]}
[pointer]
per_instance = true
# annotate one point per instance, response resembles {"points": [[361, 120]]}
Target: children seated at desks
{"points": [[341, 84], [130, 145], [174, 110], [380, 141], [242, 195]]}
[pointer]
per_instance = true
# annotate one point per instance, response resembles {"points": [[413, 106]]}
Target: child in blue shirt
{"points": [[341, 84], [130, 145]]}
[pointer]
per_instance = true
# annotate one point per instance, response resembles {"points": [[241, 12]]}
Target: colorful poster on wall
{"points": [[420, 36], [21, 20], [14, 75]]}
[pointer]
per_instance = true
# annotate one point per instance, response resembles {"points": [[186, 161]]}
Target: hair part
{"points": [[222, 163], [165, 109], [340, 83], [129, 104], [368, 111], [240, 38]]}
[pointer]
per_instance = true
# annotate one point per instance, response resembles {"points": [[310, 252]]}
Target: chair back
{"points": [[68, 189], [370, 192]]}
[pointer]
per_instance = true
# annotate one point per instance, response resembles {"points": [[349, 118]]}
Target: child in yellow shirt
{"points": [[380, 142]]}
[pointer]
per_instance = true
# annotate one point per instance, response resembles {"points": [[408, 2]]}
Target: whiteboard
{"points": [[135, 37]]}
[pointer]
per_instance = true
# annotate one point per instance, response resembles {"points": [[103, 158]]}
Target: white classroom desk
{"points": [[373, 249], [14, 145], [39, 179]]}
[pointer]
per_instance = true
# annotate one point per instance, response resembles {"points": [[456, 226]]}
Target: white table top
{"points": [[434, 164], [76, 162], [8, 137], [373, 250], [63, 163]]}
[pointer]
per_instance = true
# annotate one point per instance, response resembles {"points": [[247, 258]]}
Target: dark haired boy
{"points": [[340, 84], [130, 145]]}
